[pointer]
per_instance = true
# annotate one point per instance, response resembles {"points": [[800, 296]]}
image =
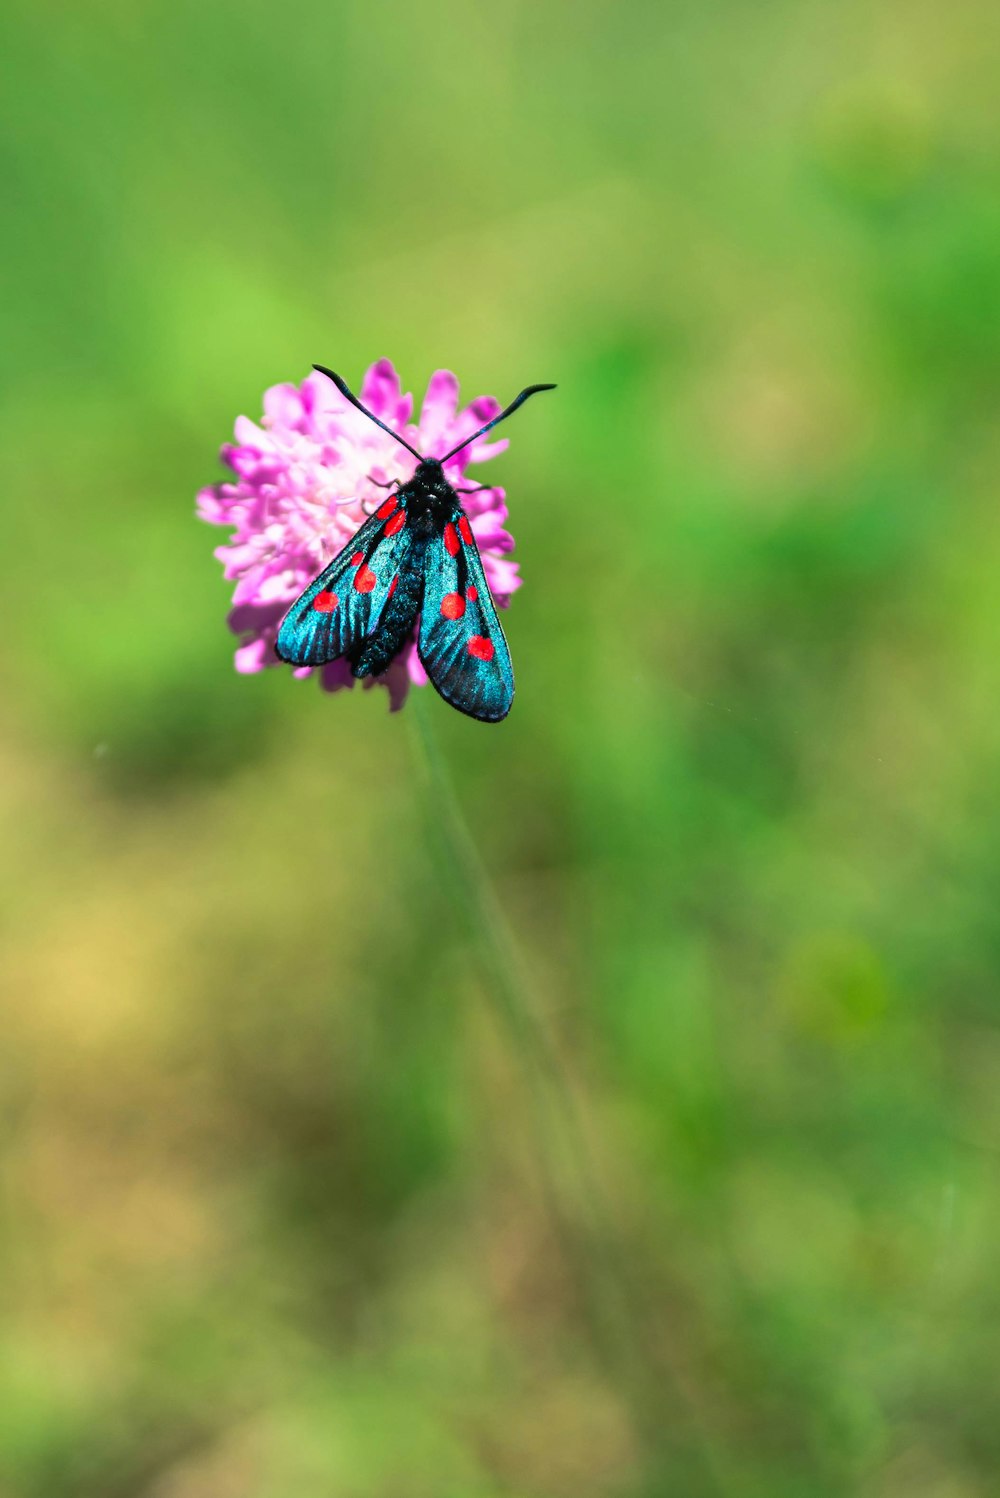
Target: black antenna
{"points": [[349, 395], [531, 390]]}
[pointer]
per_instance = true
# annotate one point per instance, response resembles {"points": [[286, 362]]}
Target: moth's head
{"points": [[429, 468]]}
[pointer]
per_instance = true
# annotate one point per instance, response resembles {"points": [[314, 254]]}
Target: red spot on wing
{"points": [[393, 586], [396, 523], [358, 556], [451, 539], [364, 579], [481, 648], [472, 592], [453, 605], [466, 530], [325, 603], [387, 508]]}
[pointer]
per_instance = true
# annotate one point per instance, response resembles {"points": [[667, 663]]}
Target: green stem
{"points": [[617, 1311]]}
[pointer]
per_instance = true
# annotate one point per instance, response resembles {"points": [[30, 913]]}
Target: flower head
{"points": [[308, 476]]}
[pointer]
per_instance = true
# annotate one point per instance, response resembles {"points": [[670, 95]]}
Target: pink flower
{"points": [[308, 476]]}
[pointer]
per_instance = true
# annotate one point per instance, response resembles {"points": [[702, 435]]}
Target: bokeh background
{"points": [[284, 1210]]}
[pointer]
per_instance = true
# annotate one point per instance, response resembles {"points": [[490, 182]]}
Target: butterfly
{"points": [[414, 558]]}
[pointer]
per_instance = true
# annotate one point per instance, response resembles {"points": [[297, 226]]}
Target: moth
{"points": [[414, 558]]}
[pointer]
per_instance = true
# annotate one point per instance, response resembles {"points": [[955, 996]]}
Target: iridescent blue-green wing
{"points": [[343, 605], [461, 644]]}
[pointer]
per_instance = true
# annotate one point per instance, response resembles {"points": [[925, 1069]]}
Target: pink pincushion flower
{"points": [[308, 476]]}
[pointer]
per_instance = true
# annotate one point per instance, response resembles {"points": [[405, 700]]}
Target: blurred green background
{"points": [[280, 1216]]}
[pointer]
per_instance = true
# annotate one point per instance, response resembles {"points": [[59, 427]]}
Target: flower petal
{"points": [[249, 434], [334, 675], [437, 414], [252, 656], [485, 501], [283, 408], [502, 577], [380, 390], [490, 534], [397, 680], [254, 618], [211, 507]]}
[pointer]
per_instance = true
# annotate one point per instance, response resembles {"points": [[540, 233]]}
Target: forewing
{"points": [[344, 603], [461, 644]]}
